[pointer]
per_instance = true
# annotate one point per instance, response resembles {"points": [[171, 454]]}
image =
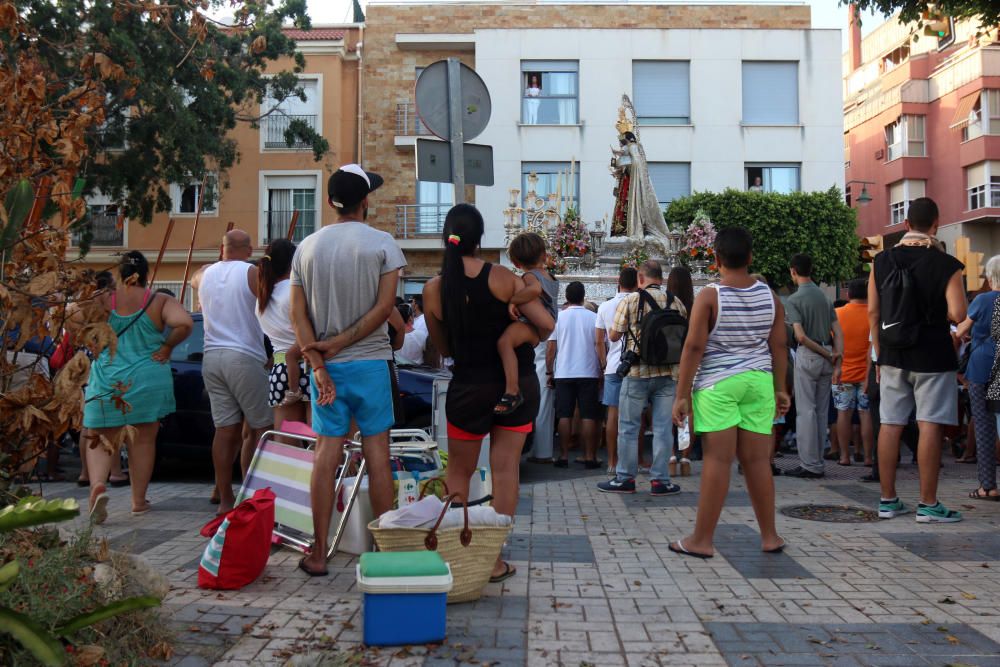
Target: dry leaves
{"points": [[87, 655]]}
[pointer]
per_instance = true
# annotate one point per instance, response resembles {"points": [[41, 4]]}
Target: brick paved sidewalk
{"points": [[596, 584]]}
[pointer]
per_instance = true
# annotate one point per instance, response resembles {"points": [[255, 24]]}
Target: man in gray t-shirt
{"points": [[344, 280], [817, 365]]}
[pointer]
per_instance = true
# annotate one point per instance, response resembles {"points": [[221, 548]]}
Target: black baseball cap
{"points": [[350, 184]]}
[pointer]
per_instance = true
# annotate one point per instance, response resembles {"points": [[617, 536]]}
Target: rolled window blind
{"points": [[771, 93]]}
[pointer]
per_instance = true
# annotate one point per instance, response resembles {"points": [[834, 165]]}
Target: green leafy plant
{"points": [[819, 224], [46, 644]]}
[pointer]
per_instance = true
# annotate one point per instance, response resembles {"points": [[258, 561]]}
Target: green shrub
{"points": [[819, 224]]}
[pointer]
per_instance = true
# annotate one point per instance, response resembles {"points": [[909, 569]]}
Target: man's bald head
{"points": [[236, 245]]}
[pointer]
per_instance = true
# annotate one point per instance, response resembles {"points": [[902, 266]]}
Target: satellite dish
{"points": [[432, 101]]}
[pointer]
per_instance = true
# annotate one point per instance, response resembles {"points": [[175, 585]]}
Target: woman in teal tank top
{"points": [[135, 386]]}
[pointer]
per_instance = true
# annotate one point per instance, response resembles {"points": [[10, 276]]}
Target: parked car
{"points": [[188, 432]]}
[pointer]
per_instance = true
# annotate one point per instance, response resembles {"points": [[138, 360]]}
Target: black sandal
{"points": [[979, 495], [508, 404], [508, 572]]}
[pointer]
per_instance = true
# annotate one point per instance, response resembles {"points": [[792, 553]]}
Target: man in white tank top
{"points": [[234, 363]]}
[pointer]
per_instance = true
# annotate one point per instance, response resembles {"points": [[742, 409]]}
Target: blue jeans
{"points": [[635, 395]]}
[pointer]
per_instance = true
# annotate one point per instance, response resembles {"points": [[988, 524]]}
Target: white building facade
{"points": [[717, 109]]}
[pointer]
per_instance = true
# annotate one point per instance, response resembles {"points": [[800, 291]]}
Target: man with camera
{"points": [[652, 324]]}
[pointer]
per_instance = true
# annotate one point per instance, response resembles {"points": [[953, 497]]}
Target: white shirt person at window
{"points": [[757, 185], [531, 101]]}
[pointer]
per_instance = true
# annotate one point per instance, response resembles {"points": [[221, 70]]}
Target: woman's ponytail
{"points": [[463, 231], [272, 267]]}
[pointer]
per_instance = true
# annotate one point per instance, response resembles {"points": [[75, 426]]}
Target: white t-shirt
{"points": [[606, 322], [576, 355], [276, 320], [413, 346]]}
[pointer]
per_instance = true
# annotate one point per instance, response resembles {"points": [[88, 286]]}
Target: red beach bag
{"points": [[240, 545]]}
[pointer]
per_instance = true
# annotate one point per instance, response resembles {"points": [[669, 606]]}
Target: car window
{"points": [[193, 346]]}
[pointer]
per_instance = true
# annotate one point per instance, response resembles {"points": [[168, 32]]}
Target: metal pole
{"points": [[455, 135]]}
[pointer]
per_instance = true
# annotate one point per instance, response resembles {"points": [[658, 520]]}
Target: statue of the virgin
{"points": [[637, 213]]}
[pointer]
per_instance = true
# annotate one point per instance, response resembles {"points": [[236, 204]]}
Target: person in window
{"points": [[758, 185], [531, 102]]}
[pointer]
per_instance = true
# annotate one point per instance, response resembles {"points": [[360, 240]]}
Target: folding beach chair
{"points": [[287, 470]]}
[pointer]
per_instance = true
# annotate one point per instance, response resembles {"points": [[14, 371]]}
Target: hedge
{"points": [[819, 224]]}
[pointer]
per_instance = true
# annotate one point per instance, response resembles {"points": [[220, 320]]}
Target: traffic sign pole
{"points": [[456, 135]]}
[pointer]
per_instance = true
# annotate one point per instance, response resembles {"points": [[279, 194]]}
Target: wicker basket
{"points": [[471, 554]]}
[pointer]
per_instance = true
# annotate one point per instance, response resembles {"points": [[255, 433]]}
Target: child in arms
{"points": [[527, 252]]}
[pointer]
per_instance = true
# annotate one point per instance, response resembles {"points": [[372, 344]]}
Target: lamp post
{"points": [[865, 197]]}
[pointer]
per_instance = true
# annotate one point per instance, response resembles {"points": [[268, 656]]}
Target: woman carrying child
{"points": [[466, 310]]}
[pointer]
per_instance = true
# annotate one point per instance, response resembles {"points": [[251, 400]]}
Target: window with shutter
{"points": [[671, 180], [770, 93], [661, 92]]}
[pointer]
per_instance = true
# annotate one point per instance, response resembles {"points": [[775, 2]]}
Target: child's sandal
{"points": [[508, 404]]}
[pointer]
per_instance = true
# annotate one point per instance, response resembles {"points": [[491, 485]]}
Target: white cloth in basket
{"points": [[423, 514]]}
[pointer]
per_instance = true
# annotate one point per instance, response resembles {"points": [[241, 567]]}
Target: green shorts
{"points": [[745, 401]]}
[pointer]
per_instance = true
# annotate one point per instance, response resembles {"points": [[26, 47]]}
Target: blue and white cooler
{"points": [[404, 597]]}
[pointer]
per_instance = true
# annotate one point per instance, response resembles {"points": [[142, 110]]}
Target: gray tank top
{"points": [[550, 290]]}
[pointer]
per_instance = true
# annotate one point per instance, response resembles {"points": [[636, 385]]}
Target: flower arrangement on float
{"points": [[698, 248]]}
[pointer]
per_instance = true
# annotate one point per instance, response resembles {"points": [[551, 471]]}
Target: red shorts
{"points": [[455, 433], [469, 408]]}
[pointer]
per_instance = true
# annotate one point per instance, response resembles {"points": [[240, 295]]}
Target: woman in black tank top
{"points": [[466, 312]]}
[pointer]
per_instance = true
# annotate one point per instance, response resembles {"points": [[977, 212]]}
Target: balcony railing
{"points": [[104, 230], [408, 122], [416, 221], [274, 127], [278, 222]]}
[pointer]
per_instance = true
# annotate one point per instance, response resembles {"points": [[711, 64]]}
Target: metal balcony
{"points": [[420, 221], [274, 127], [278, 222], [408, 123], [104, 230]]}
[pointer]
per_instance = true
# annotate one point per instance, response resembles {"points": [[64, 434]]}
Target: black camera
{"points": [[629, 357]]}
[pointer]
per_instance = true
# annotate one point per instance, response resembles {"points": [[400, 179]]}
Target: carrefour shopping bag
{"points": [[240, 544]]}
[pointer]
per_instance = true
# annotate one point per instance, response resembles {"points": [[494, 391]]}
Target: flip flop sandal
{"points": [[142, 510], [508, 404], [311, 573], [99, 512], [678, 548], [778, 549], [977, 495], [507, 573]]}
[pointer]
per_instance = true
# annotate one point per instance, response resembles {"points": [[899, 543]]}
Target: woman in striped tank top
{"points": [[735, 359]]}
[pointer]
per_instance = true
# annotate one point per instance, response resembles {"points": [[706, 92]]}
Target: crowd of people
{"points": [[310, 334]]}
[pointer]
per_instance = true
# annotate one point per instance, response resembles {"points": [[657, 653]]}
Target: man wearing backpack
{"points": [[914, 292], [652, 323]]}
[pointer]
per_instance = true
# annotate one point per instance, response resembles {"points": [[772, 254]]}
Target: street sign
{"points": [[453, 103], [434, 162], [432, 100]]}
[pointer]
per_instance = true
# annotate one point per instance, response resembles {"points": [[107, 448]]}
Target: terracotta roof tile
{"points": [[315, 34]]}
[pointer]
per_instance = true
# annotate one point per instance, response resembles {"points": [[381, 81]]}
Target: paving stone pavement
{"points": [[596, 584]]}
